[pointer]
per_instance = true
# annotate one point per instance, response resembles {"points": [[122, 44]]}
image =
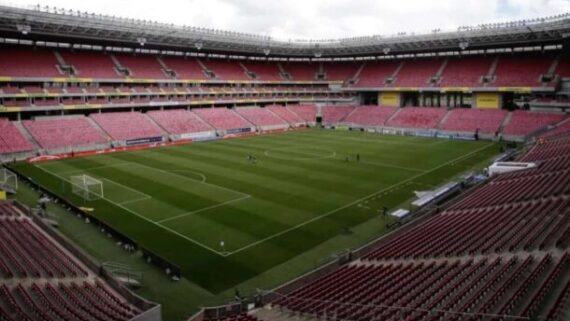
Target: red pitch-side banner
{"points": [[105, 151]]}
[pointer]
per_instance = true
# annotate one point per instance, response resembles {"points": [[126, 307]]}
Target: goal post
{"points": [[87, 187], [8, 179]]}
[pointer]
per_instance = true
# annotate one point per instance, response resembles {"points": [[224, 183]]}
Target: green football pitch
{"points": [[224, 219]]}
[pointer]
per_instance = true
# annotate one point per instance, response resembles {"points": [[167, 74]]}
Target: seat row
{"points": [[467, 71], [28, 253], [450, 289], [486, 230], [20, 62], [63, 302], [40, 280]]}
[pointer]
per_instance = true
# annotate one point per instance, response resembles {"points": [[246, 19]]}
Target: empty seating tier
{"points": [[370, 115], [417, 73], [260, 116], [335, 114], [521, 70], [64, 132], [12, 140], [91, 64], [307, 112], [185, 68], [470, 120], [126, 125], [227, 70], [561, 129], [422, 291], [40, 280], [337, 71], [266, 71], [179, 121], [524, 123], [63, 301], [222, 118], [286, 115], [511, 70], [465, 71], [301, 71], [28, 63], [142, 66], [463, 232], [374, 74], [29, 253], [416, 117]]}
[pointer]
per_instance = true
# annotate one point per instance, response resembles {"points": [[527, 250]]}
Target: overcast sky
{"points": [[318, 19]]}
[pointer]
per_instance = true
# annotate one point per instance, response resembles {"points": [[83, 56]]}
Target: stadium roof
{"points": [[60, 25]]}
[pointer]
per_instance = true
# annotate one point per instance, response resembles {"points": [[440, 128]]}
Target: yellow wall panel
{"points": [[389, 99], [488, 100]]}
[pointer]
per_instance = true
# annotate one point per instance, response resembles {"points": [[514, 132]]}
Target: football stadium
{"points": [[153, 170]]}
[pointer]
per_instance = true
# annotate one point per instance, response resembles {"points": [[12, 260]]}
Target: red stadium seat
{"points": [[126, 125], [179, 121], [64, 132]]}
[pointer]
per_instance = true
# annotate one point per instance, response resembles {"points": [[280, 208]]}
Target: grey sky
{"points": [[318, 19]]}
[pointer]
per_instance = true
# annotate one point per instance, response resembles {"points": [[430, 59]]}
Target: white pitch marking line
{"points": [[147, 219], [136, 200], [203, 209], [357, 201], [126, 187]]}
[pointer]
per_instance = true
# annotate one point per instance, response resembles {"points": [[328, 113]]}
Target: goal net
{"points": [[8, 180], [87, 187]]}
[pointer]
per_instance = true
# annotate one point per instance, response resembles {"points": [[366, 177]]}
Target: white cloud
{"points": [[318, 19]]}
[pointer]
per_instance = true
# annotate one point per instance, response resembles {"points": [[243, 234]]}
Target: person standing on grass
{"points": [[357, 158]]}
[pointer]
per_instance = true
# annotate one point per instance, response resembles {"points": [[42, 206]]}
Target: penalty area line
{"points": [[136, 200], [223, 254]]}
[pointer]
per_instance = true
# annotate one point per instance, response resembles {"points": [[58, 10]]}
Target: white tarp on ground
{"points": [[508, 167], [431, 196], [400, 214]]}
